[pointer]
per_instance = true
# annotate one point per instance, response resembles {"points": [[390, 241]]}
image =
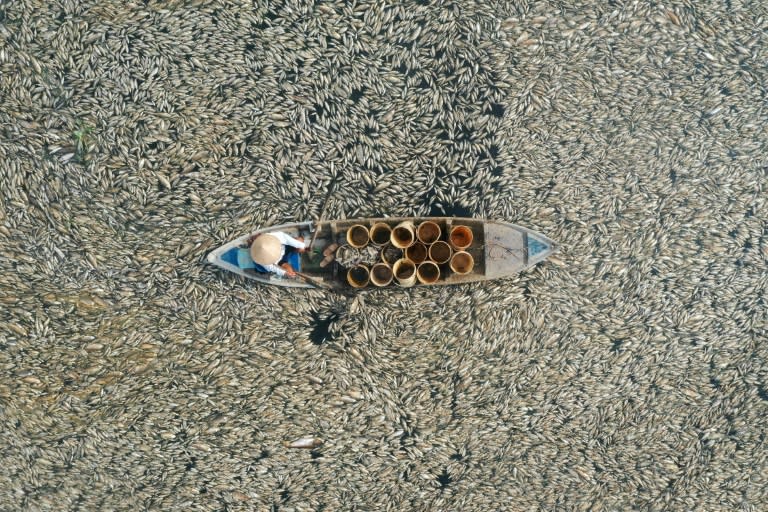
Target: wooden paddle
{"points": [[324, 286], [314, 282]]}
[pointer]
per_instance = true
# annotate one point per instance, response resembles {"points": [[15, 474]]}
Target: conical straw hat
{"points": [[266, 249]]}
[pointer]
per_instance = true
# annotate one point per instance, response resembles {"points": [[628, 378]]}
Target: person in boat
{"points": [[277, 252]]}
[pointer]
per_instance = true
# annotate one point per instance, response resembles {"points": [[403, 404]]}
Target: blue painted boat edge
{"points": [[214, 257], [553, 246]]}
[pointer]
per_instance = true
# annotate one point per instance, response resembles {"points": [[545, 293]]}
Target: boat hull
{"points": [[499, 249]]}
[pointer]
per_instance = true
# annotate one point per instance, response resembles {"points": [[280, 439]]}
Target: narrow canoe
{"points": [[498, 249]]}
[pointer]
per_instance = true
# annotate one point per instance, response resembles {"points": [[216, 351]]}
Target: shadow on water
{"points": [[321, 328], [444, 479], [440, 210]]}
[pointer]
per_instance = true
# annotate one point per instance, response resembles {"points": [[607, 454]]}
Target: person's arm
{"points": [[275, 269], [289, 240]]}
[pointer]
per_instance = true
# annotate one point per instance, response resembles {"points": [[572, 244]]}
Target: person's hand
{"points": [[288, 270]]}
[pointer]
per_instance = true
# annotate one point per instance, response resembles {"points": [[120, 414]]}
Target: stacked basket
{"points": [[408, 253]]}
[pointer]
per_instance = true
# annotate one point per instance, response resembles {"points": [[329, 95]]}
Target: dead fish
{"points": [[305, 442]]}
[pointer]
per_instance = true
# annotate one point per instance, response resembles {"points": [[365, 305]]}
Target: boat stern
{"points": [[510, 248], [539, 247]]}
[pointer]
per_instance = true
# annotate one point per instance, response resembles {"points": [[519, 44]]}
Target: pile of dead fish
{"points": [[627, 373]]}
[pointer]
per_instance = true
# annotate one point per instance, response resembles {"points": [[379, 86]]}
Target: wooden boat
{"points": [[499, 249]]}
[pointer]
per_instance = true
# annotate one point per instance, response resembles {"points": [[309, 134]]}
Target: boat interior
{"points": [[344, 252], [336, 232]]}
